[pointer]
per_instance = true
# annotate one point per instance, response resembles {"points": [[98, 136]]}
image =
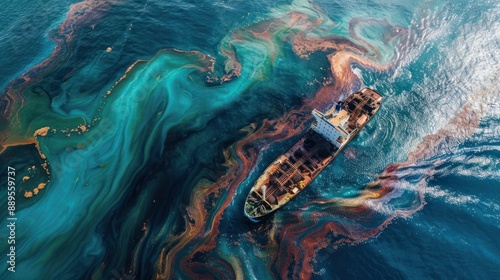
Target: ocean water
{"points": [[137, 128]]}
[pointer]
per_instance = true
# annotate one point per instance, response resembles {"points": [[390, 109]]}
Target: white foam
{"points": [[450, 197], [379, 205]]}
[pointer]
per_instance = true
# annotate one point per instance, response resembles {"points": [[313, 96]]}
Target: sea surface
{"points": [[138, 127]]}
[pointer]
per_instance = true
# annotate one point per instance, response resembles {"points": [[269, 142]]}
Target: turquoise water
{"points": [[162, 114]]}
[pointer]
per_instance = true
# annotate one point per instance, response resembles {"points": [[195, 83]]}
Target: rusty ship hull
{"points": [[294, 170]]}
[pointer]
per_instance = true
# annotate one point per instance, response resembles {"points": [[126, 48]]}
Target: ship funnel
{"points": [[338, 107]]}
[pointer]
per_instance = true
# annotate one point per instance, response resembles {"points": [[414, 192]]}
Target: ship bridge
{"points": [[344, 119], [332, 126]]}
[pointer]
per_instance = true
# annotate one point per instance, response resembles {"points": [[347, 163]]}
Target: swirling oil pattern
{"points": [[137, 128]]}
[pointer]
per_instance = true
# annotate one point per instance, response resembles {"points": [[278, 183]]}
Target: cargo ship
{"points": [[291, 172]]}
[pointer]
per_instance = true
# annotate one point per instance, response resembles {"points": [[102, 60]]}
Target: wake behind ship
{"points": [[291, 172]]}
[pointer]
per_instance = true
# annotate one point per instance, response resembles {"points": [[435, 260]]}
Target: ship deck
{"points": [[290, 173]]}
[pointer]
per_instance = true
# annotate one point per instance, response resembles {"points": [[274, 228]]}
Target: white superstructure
{"points": [[332, 126]]}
